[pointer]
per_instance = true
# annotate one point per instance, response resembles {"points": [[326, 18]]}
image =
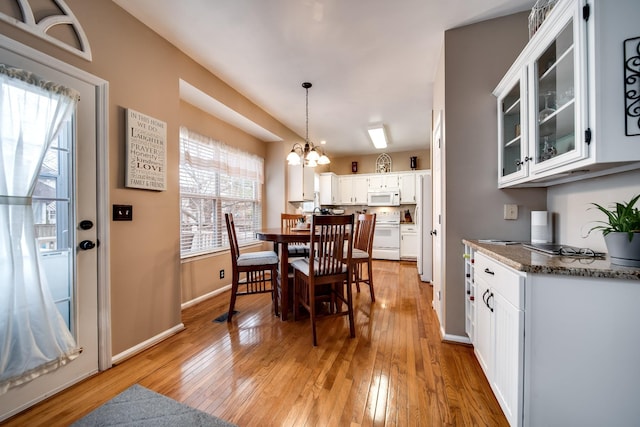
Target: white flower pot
{"points": [[622, 251]]}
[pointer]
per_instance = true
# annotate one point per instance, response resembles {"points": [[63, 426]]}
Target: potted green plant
{"points": [[621, 232]]}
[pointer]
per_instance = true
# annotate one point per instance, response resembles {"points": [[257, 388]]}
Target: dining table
{"points": [[282, 237]]}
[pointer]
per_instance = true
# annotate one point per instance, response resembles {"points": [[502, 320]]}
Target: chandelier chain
{"points": [[309, 153], [307, 121]]}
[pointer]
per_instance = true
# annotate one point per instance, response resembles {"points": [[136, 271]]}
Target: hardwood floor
{"points": [[260, 371]]}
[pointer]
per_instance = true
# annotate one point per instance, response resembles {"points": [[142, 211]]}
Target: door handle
{"points": [[85, 245], [434, 232]]}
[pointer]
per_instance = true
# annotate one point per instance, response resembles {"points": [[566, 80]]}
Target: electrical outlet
{"points": [[222, 274], [510, 211]]}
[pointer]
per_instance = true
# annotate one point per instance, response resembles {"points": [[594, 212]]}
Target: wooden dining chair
{"points": [[296, 249], [319, 280], [252, 272], [362, 251]]}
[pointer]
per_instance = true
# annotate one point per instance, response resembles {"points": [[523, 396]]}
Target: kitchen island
{"points": [[556, 336]]}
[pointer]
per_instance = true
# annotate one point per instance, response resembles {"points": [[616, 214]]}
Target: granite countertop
{"points": [[520, 258]]}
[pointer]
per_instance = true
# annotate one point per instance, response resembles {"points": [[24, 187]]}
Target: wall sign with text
{"points": [[146, 152]]}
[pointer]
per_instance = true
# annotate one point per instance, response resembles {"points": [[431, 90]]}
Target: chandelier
{"points": [[307, 153]]}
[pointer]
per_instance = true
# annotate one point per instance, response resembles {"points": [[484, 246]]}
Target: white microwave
{"points": [[389, 197]]}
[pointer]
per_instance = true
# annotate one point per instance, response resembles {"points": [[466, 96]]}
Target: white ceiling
{"points": [[369, 61]]}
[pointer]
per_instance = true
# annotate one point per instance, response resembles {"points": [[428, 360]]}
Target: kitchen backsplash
{"points": [[407, 212]]}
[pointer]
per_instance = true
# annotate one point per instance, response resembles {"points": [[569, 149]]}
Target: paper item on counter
{"points": [[498, 242]]}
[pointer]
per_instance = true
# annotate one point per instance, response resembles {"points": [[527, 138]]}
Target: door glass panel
{"points": [[53, 220], [511, 132], [556, 102]]}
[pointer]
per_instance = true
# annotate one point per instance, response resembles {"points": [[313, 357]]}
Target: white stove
{"points": [[386, 237], [388, 217]]}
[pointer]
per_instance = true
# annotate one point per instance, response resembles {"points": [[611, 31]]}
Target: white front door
{"points": [[437, 219], [65, 195]]}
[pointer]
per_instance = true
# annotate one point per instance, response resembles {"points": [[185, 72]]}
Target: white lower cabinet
{"points": [[482, 342], [408, 241], [557, 350], [470, 292], [499, 334], [581, 351], [509, 343]]}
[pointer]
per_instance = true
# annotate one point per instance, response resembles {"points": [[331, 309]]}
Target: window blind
{"points": [[216, 178]]}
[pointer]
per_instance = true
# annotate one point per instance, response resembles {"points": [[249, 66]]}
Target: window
{"points": [[216, 178], [51, 196]]}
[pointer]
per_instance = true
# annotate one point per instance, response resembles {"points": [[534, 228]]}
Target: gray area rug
{"points": [[139, 406]]}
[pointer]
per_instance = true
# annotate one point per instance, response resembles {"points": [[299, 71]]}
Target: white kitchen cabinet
{"points": [[557, 349], [300, 183], [407, 183], [581, 351], [499, 336], [513, 156], [353, 189], [383, 181], [470, 292], [329, 189], [561, 107], [508, 329], [482, 342], [408, 241]]}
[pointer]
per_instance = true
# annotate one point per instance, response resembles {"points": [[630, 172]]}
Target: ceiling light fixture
{"points": [[378, 136], [309, 153]]}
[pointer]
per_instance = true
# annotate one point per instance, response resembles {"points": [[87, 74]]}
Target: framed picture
{"points": [[146, 152]]}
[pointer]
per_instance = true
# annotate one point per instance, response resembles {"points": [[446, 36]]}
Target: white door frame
{"points": [[102, 190], [437, 176]]}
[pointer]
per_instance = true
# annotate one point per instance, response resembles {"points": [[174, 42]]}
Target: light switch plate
{"points": [[510, 211], [122, 212]]}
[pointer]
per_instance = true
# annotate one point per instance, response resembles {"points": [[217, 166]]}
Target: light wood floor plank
{"points": [[260, 371]]}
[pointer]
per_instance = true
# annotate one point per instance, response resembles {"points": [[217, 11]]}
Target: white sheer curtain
{"points": [[220, 157], [34, 338]]}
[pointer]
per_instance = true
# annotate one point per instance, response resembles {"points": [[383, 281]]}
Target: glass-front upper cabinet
{"points": [[561, 104], [555, 101], [512, 107]]}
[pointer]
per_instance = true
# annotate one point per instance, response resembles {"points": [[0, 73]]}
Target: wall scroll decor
{"points": [[383, 163], [632, 86], [146, 152]]}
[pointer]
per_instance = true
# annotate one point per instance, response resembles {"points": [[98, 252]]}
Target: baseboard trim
{"points": [[146, 344], [166, 334], [458, 339], [205, 297]]}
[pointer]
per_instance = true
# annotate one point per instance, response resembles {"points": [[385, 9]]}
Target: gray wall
{"points": [[475, 59]]}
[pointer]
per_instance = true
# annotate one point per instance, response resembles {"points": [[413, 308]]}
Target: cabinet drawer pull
{"points": [[488, 298], [486, 270], [483, 295]]}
